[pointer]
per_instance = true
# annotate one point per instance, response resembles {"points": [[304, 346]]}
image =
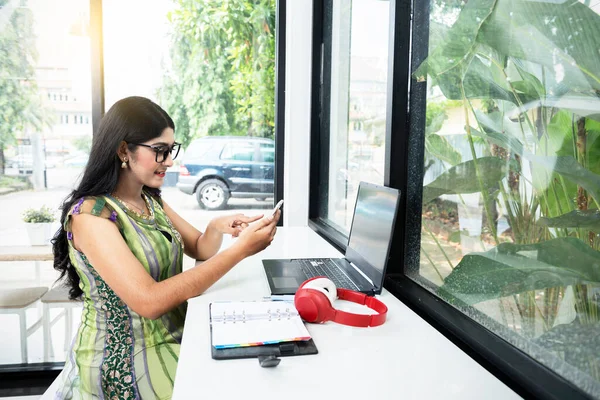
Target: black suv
{"points": [[216, 168]]}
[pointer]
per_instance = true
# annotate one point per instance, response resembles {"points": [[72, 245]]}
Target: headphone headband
{"points": [[314, 302]]}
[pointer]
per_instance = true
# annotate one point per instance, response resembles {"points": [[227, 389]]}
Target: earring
{"points": [[124, 163]]}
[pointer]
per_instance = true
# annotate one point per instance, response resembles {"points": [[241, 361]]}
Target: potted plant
{"points": [[39, 225]]}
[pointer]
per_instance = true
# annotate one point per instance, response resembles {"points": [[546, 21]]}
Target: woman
{"points": [[121, 247]]}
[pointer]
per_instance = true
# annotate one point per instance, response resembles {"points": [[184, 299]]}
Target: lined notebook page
{"points": [[255, 323]]}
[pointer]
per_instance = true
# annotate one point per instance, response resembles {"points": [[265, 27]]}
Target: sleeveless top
{"points": [[116, 353]]}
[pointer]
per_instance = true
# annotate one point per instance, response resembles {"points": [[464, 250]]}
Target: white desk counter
{"points": [[404, 358]]}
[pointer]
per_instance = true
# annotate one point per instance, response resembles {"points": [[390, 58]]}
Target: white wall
{"points": [[297, 111]]}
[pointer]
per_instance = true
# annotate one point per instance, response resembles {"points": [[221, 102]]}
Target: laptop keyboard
{"points": [[326, 267]]}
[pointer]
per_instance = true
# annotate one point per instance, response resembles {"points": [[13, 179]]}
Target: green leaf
{"points": [[593, 145], [456, 63], [570, 169], [463, 178], [435, 121], [437, 34], [581, 350], [452, 54], [587, 219], [567, 166], [526, 71], [438, 147], [580, 336], [562, 36], [478, 79], [511, 269], [482, 81]]}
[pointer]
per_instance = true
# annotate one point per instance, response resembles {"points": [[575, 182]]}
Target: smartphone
{"points": [[277, 207]]}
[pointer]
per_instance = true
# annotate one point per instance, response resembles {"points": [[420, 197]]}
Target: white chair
{"points": [[58, 297], [17, 301]]}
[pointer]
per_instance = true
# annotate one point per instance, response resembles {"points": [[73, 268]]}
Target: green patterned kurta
{"points": [[116, 353]]}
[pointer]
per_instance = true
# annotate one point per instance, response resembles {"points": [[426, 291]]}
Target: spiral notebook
{"points": [[255, 323]]}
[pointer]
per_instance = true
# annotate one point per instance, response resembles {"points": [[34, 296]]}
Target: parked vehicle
{"points": [[24, 163], [216, 168]]}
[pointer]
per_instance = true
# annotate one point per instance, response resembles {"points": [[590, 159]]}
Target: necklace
{"points": [[128, 204]]}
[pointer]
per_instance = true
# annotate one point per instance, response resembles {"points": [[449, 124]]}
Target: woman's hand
{"points": [[233, 224], [258, 236]]}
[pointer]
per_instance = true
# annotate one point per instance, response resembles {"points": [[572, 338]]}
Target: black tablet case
{"points": [[284, 349]]}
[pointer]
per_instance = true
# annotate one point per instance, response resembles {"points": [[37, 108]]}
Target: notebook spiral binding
{"points": [[277, 314]]}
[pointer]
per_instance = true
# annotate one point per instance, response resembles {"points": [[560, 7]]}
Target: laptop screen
{"points": [[372, 229]]}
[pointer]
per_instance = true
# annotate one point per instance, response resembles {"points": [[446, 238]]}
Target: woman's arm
{"points": [[203, 246], [101, 242]]}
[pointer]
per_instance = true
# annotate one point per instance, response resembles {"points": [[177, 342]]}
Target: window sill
{"points": [[327, 232], [516, 369]]}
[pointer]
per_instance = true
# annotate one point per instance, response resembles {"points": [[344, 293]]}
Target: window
{"points": [[165, 57], [47, 59], [238, 152], [512, 176], [352, 130], [267, 152], [145, 57], [205, 149], [492, 135]]}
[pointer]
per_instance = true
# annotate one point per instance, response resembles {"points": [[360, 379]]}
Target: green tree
{"points": [[20, 104], [222, 76]]}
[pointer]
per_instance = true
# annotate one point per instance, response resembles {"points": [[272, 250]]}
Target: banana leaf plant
{"points": [[538, 64]]}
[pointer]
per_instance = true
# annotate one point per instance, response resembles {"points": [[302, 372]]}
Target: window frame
{"points": [[404, 141], [319, 154]]}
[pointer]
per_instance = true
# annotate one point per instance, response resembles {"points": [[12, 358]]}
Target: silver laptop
{"points": [[363, 267]]}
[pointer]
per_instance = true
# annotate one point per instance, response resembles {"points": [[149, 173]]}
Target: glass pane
{"points": [[359, 63], [511, 188], [45, 137], [214, 76], [206, 150], [267, 153], [136, 50], [238, 152]]}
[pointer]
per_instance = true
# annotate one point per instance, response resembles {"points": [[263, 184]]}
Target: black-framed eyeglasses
{"points": [[162, 152]]}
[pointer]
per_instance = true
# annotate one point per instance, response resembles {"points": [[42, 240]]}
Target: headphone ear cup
{"points": [[313, 305], [323, 285]]}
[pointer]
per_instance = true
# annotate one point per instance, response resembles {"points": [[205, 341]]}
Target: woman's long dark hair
{"points": [[133, 120]]}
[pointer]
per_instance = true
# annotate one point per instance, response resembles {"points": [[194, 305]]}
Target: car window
{"points": [[238, 152], [267, 152], [206, 149]]}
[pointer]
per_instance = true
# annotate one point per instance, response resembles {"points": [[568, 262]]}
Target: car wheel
{"points": [[212, 194]]}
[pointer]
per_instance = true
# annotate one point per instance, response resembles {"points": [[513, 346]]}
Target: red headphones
{"points": [[314, 302]]}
